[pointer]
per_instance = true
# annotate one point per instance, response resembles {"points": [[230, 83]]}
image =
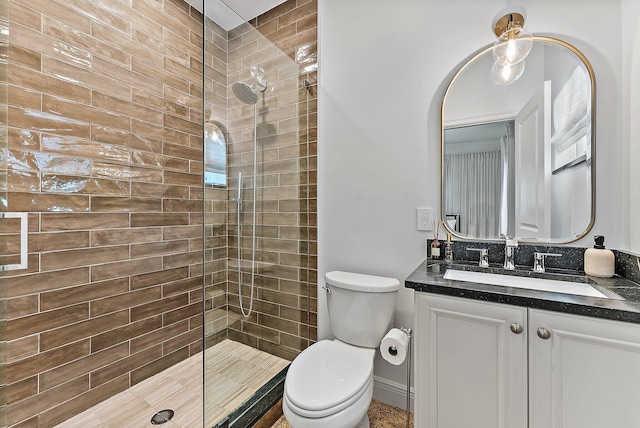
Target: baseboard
{"points": [[392, 393]]}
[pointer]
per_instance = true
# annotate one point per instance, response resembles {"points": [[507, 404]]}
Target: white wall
{"points": [[384, 67], [631, 85]]}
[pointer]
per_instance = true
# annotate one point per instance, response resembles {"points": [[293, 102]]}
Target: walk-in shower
{"points": [[260, 229], [132, 238]]}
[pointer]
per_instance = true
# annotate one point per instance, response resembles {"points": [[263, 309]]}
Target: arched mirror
{"points": [[518, 158]]}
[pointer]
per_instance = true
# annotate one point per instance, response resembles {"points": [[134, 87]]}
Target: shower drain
{"points": [[161, 417]]}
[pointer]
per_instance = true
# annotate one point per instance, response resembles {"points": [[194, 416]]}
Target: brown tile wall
{"points": [[216, 202], [284, 322], [283, 42], [105, 153]]}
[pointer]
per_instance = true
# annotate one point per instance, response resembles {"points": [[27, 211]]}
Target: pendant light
{"points": [[512, 47], [506, 74], [514, 41]]}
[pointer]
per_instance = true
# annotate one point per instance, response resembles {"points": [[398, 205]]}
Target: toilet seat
{"points": [[327, 377], [353, 416], [316, 414]]}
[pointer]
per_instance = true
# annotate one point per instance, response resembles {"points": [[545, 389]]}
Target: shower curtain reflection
{"points": [[478, 178], [476, 182]]}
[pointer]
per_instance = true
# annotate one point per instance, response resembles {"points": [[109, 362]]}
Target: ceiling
{"points": [[231, 13], [481, 132]]}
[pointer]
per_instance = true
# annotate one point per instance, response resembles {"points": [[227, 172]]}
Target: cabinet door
{"points": [[471, 369], [586, 374]]}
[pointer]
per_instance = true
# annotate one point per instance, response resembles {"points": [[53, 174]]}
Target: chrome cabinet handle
{"points": [[543, 333], [517, 328]]}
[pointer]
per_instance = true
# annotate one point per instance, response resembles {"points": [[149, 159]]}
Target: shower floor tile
{"points": [[234, 371]]}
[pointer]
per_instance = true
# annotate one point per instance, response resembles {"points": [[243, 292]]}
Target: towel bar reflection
{"points": [[24, 241]]}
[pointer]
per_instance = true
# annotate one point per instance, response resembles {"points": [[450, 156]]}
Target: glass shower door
{"points": [[4, 58], [259, 224]]}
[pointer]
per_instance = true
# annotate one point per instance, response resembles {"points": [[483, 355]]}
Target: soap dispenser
{"points": [[598, 261], [448, 249]]}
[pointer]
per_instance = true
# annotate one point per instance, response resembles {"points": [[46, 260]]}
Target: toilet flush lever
{"points": [[327, 289]]}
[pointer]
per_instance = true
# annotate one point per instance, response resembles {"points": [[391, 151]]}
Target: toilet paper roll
{"points": [[394, 346]]}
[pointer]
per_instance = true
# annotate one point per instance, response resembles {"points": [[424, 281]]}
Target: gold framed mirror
{"points": [[518, 159]]}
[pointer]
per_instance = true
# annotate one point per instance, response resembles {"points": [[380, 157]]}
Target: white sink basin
{"points": [[541, 284]]}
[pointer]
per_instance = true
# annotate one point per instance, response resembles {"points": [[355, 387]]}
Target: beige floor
{"points": [[234, 371], [380, 416]]}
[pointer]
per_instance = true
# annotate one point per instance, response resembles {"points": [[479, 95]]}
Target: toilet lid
{"points": [[361, 282], [327, 374]]}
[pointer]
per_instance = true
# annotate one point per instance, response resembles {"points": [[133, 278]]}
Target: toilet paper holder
{"points": [[392, 349]]}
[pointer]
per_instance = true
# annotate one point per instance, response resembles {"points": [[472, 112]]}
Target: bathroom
{"points": [[365, 218]]}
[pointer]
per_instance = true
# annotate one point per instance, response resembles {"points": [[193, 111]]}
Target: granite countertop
{"points": [[624, 304]]}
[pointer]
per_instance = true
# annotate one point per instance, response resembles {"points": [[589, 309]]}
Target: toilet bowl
{"points": [[330, 384]]}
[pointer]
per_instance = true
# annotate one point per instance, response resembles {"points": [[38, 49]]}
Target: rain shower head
{"points": [[245, 93], [249, 94]]}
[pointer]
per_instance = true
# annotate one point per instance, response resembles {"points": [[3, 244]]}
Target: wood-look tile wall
{"points": [[105, 153], [216, 199], [283, 42]]}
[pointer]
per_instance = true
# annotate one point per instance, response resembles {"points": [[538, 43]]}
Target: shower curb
{"points": [[257, 405]]}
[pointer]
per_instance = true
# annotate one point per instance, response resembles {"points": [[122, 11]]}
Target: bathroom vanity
{"points": [[492, 356], [505, 342]]}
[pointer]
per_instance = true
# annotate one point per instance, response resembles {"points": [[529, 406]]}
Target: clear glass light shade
{"points": [[506, 74], [512, 46]]}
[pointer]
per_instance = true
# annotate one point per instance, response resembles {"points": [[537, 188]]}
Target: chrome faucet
{"points": [[484, 256], [510, 246], [538, 260]]}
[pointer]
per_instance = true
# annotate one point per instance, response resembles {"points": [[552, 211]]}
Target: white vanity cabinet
{"points": [[490, 365], [586, 374], [470, 366]]}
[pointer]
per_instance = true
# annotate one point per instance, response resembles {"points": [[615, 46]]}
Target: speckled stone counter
{"points": [[623, 304]]}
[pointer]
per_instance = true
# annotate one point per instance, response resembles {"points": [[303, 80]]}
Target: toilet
{"points": [[330, 384]]}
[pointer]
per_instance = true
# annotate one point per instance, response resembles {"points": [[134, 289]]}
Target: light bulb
{"points": [[506, 74], [511, 51], [512, 46]]}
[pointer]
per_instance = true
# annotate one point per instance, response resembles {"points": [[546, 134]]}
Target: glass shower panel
{"points": [[255, 93], [4, 58], [103, 150]]}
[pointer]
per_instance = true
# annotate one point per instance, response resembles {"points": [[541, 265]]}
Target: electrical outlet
{"points": [[424, 218]]}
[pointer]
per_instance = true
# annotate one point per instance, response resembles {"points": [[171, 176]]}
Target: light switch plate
{"points": [[424, 217]]}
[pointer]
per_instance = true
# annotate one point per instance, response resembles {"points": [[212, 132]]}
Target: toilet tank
{"points": [[360, 306]]}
